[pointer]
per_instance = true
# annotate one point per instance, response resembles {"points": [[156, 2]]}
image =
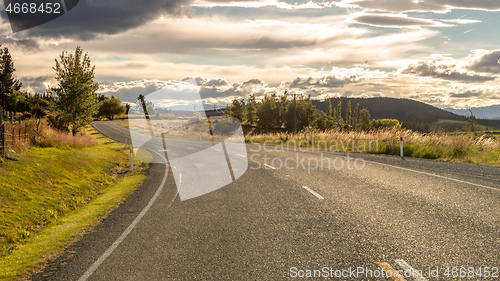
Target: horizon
{"points": [[431, 51]]}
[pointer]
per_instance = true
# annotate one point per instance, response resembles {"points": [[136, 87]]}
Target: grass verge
{"points": [[479, 148], [51, 195]]}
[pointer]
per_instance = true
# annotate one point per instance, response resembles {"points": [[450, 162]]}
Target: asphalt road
{"points": [[276, 222]]}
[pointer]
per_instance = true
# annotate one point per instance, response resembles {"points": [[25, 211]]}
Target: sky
{"points": [[442, 52]]}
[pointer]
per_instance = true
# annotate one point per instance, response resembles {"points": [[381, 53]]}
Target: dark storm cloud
{"points": [[489, 62], [92, 18], [446, 72]]}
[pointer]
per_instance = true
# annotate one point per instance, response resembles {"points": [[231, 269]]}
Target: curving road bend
{"points": [[288, 217]]}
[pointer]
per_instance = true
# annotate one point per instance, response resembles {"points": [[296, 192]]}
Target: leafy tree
{"points": [[364, 119], [321, 121], [238, 109], [16, 101], [355, 121], [36, 106], [338, 117], [127, 108], [329, 107], [305, 114], [251, 110], [76, 90], [348, 115], [110, 108], [282, 106], [334, 114], [7, 81], [267, 113]]}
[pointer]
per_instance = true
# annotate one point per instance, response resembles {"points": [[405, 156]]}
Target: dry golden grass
{"points": [[467, 148], [49, 137]]}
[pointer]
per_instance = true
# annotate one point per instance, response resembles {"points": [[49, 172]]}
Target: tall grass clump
{"points": [[49, 137], [464, 147]]}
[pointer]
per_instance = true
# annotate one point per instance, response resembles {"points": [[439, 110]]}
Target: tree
{"points": [[251, 110], [355, 121], [329, 107], [338, 117], [267, 113], [348, 115], [76, 95], [282, 106], [305, 114], [364, 119], [127, 108], [16, 101], [238, 110], [110, 108], [7, 81]]}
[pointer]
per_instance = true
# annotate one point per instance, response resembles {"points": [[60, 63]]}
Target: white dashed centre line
{"points": [[417, 275], [313, 192], [270, 167]]}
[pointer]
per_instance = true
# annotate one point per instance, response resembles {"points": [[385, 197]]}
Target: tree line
{"points": [[297, 113], [70, 105]]}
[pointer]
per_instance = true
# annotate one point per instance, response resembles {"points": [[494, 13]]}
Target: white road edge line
{"points": [[407, 268], [129, 229], [406, 169], [270, 167], [313, 192], [434, 175]]}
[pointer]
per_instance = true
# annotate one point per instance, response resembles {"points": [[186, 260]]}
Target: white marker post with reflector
{"points": [[131, 158], [401, 146]]}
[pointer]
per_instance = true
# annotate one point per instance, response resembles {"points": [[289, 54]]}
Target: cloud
{"points": [[36, 84], [420, 5], [261, 4], [129, 91], [92, 18], [448, 72], [186, 93], [396, 21], [321, 82], [485, 61]]}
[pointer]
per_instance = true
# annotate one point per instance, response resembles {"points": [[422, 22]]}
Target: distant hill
{"points": [[414, 114], [488, 112], [392, 108]]}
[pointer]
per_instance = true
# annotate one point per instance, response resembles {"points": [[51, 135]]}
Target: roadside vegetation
{"points": [[58, 179], [279, 120], [481, 149], [55, 190]]}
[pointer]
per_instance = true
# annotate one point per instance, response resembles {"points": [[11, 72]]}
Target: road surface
{"points": [[280, 222]]}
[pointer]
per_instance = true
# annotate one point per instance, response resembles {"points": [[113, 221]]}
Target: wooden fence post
{"points": [[2, 140], [2, 133]]}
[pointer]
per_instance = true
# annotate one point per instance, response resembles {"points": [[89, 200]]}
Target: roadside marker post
{"points": [[131, 158], [401, 147]]}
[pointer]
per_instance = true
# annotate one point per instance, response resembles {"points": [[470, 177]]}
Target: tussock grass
{"points": [[481, 149], [49, 137]]}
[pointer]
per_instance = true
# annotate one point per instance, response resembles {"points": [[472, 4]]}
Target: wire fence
{"points": [[15, 136]]}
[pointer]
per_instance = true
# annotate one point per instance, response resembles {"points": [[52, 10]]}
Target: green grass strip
{"points": [[52, 239]]}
